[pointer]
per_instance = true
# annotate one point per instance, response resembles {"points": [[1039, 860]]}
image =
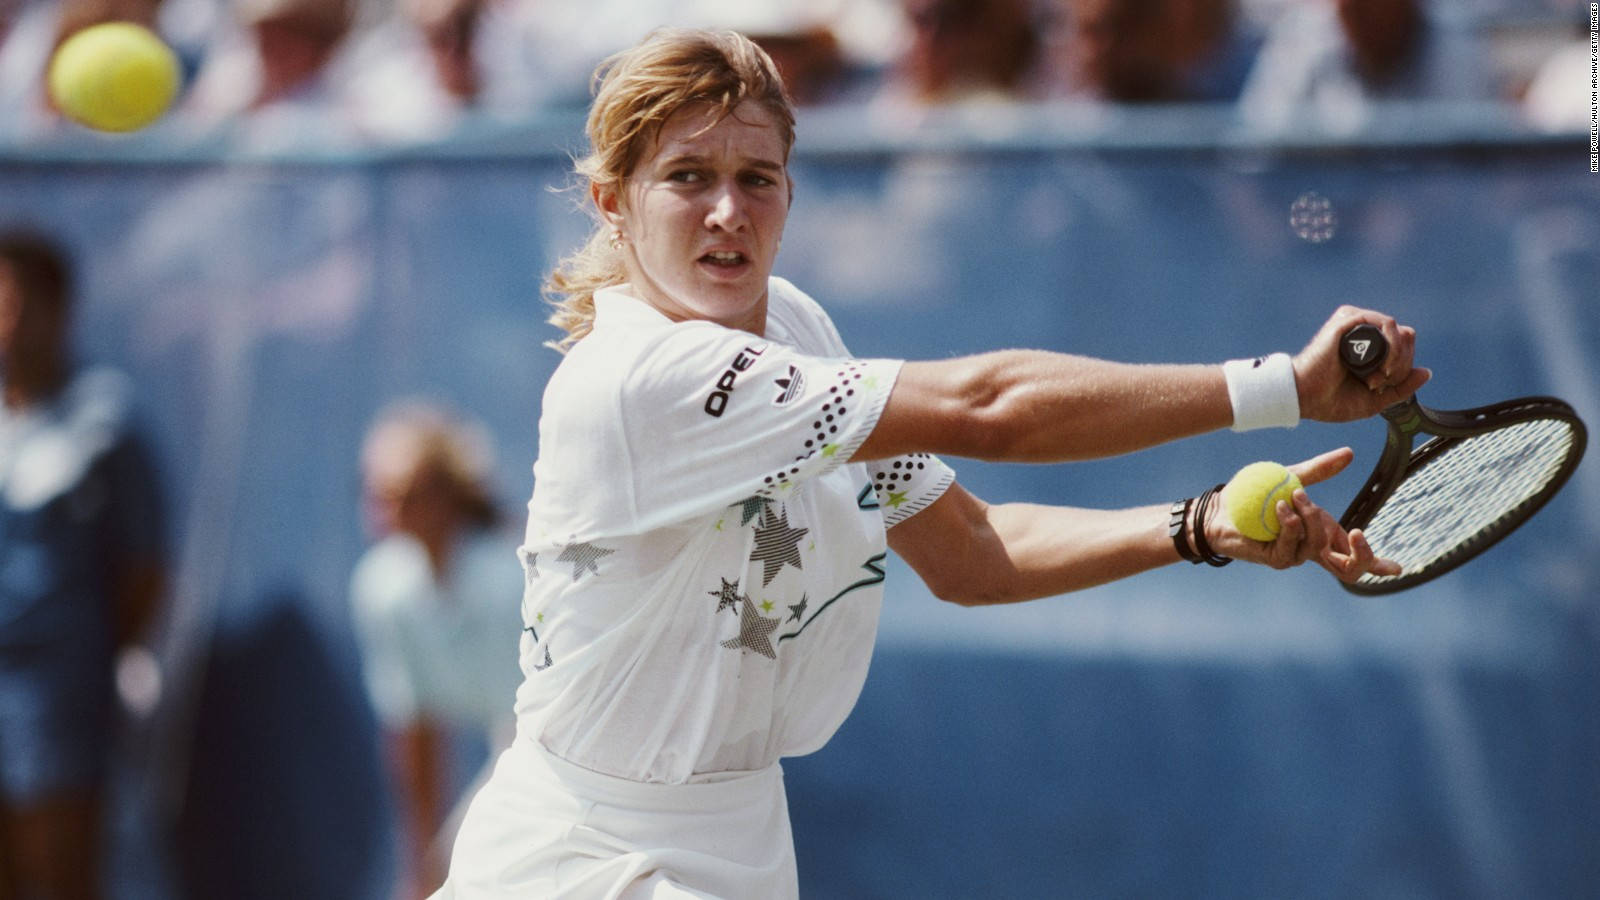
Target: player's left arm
{"points": [[973, 553], [1038, 406]]}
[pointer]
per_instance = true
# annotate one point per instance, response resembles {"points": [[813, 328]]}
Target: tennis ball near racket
{"points": [[116, 76], [1252, 495]]}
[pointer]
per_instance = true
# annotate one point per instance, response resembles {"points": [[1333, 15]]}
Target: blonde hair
{"points": [[636, 91], [412, 436]]}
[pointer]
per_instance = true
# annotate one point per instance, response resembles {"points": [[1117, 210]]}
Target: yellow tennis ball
{"points": [[1252, 496], [116, 76]]}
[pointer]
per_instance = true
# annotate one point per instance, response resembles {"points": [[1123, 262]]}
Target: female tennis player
{"points": [[718, 480]]}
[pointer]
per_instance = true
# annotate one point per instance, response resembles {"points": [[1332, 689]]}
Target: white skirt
{"points": [[542, 828]]}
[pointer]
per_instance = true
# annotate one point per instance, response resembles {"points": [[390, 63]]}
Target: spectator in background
{"points": [[817, 45], [1557, 98], [419, 71], [963, 52], [276, 73], [81, 575], [1329, 60], [811, 60], [436, 608], [1152, 51]]}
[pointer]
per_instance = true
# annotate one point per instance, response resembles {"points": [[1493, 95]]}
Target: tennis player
{"points": [[719, 480]]}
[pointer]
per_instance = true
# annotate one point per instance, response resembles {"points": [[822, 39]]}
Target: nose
{"points": [[726, 212]]}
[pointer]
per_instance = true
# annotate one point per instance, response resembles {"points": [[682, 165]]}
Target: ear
{"points": [[608, 200]]}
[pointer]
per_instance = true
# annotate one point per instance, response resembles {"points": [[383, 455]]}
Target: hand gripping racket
{"points": [[1483, 472]]}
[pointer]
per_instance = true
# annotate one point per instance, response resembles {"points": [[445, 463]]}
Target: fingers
{"points": [[1357, 560], [1398, 378], [1327, 390], [1284, 551], [1389, 394], [1302, 532], [1402, 344], [1324, 466], [1309, 532], [1415, 380], [1369, 560]]}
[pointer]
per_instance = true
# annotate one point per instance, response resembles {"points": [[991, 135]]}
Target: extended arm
{"points": [[1037, 406], [972, 553]]}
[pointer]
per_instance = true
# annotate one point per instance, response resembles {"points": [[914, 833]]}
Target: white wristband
{"points": [[1262, 392]]}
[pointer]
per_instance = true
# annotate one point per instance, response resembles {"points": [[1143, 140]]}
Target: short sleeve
{"points": [[714, 416], [907, 485]]}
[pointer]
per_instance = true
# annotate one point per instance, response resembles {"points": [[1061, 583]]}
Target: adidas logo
{"points": [[790, 387]]}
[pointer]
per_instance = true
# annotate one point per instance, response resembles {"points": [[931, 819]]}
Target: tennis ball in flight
{"points": [[1252, 495], [116, 76]]}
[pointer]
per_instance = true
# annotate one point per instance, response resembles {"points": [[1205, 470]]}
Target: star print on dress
{"points": [[728, 595], [777, 545], [750, 507], [798, 610], [755, 633], [583, 557], [530, 565]]}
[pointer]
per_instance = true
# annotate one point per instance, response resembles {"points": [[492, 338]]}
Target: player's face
{"points": [[702, 216]]}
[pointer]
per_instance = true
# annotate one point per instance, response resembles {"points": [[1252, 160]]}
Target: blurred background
{"points": [[353, 204]]}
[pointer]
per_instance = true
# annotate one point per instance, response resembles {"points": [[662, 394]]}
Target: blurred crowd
{"points": [[366, 72]]}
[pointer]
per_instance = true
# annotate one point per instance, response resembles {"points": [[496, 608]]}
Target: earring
{"points": [[616, 238]]}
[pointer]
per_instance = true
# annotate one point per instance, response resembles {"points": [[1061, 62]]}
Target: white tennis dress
{"points": [[704, 574]]}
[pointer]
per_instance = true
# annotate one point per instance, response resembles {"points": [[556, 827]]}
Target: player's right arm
{"points": [[972, 553], [1037, 406]]}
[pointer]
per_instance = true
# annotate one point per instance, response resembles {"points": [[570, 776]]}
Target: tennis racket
{"points": [[1481, 474]]}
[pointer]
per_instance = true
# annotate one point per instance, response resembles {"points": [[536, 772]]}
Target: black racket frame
{"points": [[1449, 428]]}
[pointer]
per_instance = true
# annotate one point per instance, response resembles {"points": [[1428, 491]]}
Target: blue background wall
{"points": [[1188, 733]]}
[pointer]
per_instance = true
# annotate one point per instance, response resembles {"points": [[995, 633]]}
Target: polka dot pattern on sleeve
{"points": [[906, 485]]}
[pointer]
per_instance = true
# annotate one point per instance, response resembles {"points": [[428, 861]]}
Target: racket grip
{"points": [[1363, 349]]}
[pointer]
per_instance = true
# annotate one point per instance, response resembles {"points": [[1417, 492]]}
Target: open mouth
{"points": [[724, 259]]}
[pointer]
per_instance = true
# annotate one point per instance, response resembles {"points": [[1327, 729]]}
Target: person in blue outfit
{"points": [[81, 574]]}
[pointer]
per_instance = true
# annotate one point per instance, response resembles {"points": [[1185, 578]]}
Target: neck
{"points": [[753, 320], [439, 544]]}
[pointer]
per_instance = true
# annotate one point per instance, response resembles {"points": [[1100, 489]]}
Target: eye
{"points": [[756, 179], [685, 176]]}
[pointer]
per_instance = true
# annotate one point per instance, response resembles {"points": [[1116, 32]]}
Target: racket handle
{"points": [[1362, 350]]}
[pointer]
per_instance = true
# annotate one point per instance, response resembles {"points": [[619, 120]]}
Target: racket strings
{"points": [[1470, 490]]}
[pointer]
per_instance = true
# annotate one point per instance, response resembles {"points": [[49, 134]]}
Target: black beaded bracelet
{"points": [[1200, 542], [1178, 529]]}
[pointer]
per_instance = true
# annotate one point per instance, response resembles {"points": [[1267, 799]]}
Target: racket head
{"points": [[1484, 472]]}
